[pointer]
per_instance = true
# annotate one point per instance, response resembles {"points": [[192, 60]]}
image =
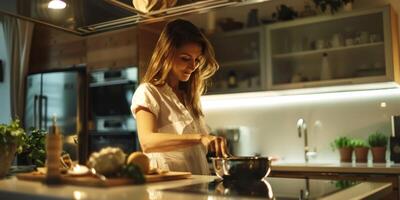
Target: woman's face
{"points": [[185, 62]]}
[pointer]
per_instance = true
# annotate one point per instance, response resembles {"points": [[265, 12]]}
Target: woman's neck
{"points": [[173, 83]]}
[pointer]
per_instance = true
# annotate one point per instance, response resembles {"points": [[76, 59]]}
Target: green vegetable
{"points": [[358, 143], [342, 184], [11, 134], [341, 142], [377, 139], [134, 172]]}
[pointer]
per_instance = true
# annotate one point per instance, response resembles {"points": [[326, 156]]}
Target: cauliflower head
{"points": [[107, 161]]}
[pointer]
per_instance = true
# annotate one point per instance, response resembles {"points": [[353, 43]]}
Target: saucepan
{"points": [[241, 168]]}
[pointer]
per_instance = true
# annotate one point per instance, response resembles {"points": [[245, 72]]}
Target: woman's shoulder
{"points": [[149, 87]]}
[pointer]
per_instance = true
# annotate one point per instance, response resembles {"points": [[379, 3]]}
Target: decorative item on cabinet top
{"points": [[359, 44], [334, 5]]}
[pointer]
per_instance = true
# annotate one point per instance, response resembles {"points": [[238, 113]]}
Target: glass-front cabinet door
{"points": [[242, 67], [345, 48]]}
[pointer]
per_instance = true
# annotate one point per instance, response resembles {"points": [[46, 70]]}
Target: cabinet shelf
{"points": [[333, 82], [326, 50], [234, 90], [240, 63]]}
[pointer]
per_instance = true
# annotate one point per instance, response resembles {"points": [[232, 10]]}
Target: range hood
{"points": [[84, 17]]}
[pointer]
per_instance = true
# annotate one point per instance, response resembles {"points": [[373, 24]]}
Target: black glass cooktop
{"points": [[269, 188]]}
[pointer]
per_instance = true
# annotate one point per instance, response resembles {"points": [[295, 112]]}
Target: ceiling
{"points": [[84, 17]]}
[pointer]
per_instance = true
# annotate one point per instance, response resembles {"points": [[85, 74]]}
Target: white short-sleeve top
{"points": [[172, 117]]}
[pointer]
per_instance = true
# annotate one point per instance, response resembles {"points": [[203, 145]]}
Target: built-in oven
{"points": [[112, 124]]}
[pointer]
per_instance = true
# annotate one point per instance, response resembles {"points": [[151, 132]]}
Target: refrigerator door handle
{"points": [[35, 111], [44, 120]]}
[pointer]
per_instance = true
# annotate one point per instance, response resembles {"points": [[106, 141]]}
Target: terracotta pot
{"points": [[7, 154], [361, 154], [346, 154], [378, 154]]}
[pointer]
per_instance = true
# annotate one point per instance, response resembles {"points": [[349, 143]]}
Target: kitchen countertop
{"points": [[370, 168], [12, 188]]}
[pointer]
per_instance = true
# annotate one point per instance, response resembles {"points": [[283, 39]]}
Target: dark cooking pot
{"points": [[242, 168]]}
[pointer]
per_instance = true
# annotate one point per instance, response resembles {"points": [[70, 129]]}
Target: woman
{"points": [[167, 105]]}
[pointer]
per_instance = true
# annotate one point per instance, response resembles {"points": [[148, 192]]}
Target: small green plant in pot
{"points": [[360, 150], [378, 142], [345, 148], [12, 139]]}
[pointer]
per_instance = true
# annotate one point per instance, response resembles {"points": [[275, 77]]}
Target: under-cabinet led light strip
{"points": [[273, 98]]}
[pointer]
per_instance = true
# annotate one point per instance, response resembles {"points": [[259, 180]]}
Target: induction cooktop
{"points": [[268, 188]]}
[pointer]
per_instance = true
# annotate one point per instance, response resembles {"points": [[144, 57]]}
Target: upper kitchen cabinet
{"points": [[52, 49], [239, 54], [116, 49], [345, 48]]}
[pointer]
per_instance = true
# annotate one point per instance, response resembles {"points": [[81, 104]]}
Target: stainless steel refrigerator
{"points": [[61, 94]]}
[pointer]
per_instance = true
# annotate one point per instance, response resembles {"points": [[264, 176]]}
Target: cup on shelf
{"points": [[254, 82], [364, 37], [337, 40], [378, 65], [297, 47], [296, 77], [357, 40], [349, 41], [223, 84], [243, 84], [374, 38], [320, 44]]}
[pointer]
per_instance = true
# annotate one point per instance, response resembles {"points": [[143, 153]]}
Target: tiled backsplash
{"points": [[270, 122]]}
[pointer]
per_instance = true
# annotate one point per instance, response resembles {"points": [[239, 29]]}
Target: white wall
{"points": [[271, 122], [5, 112]]}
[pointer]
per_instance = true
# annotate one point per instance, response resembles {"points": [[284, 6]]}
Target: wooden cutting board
{"points": [[89, 180]]}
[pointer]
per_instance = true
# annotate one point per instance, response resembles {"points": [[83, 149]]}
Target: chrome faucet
{"points": [[302, 130]]}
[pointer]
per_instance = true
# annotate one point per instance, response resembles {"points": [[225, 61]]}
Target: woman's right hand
{"points": [[217, 144]]}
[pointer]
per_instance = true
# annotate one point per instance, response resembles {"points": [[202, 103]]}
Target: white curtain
{"points": [[18, 37]]}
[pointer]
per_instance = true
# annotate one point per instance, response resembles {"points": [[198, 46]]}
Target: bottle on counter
{"points": [[53, 153]]}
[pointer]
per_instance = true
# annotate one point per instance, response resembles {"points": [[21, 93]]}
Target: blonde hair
{"points": [[175, 34]]}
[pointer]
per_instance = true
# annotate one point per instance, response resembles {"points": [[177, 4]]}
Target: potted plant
{"points": [[333, 5], [345, 148], [12, 138], [34, 150], [378, 142], [360, 150], [284, 12]]}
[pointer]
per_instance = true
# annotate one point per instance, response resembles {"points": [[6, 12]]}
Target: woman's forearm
{"points": [[161, 142]]}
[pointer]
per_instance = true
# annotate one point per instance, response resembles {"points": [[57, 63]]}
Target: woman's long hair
{"points": [[175, 34]]}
